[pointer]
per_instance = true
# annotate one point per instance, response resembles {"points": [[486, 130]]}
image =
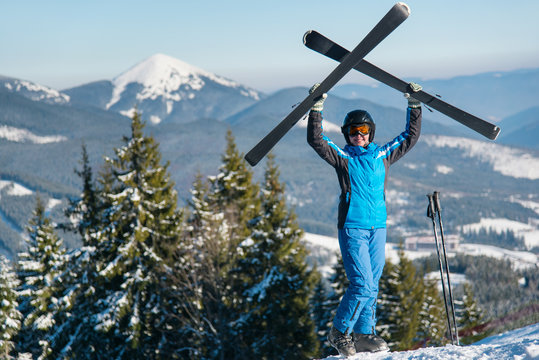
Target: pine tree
{"points": [[10, 316], [469, 316], [222, 213], [37, 270], [326, 304], [85, 212], [401, 294], [323, 309], [388, 304], [432, 322], [278, 322], [201, 279], [339, 281], [234, 191], [122, 305], [78, 280]]}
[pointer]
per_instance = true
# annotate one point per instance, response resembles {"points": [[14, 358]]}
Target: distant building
{"points": [[426, 243]]}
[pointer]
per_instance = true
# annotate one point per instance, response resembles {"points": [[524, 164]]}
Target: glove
{"points": [[319, 104], [413, 103]]}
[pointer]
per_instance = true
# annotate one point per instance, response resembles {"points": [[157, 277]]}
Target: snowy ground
{"points": [[521, 344]]}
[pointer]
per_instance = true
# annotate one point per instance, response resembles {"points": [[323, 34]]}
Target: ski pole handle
{"points": [[437, 205], [430, 207]]}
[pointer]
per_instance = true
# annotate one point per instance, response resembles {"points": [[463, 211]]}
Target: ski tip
{"points": [[495, 133], [405, 7], [306, 35]]}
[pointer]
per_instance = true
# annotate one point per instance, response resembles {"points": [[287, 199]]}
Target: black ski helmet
{"points": [[357, 117]]}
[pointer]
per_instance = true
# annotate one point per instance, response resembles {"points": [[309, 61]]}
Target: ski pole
{"points": [[438, 209], [431, 211]]}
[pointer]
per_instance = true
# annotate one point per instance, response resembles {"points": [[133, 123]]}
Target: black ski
{"points": [[321, 44], [398, 13]]}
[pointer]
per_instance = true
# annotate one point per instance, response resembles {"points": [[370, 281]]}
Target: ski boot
{"points": [[342, 342], [369, 343]]}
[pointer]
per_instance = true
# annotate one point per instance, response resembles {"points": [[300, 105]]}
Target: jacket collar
{"points": [[359, 150]]}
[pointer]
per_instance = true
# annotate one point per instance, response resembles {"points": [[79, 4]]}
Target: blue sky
{"points": [[259, 43]]}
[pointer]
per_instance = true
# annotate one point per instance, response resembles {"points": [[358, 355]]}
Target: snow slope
{"points": [[518, 344], [509, 161], [14, 134], [527, 231]]}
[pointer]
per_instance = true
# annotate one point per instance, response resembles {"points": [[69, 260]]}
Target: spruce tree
{"points": [[280, 285], [203, 285], [469, 316], [78, 280], [339, 281], [432, 321], [122, 305], [234, 192], [323, 309], [222, 213], [388, 304], [326, 304], [401, 294], [10, 316], [85, 212], [37, 270]]}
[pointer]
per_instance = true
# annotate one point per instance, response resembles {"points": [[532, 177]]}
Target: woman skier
{"points": [[362, 169]]}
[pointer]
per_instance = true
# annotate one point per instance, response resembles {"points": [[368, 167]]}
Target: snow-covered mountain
{"points": [[166, 89], [33, 91]]}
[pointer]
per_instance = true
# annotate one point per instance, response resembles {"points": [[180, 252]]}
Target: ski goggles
{"points": [[363, 129]]}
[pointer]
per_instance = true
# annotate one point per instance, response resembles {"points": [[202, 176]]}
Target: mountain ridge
{"points": [[166, 89]]}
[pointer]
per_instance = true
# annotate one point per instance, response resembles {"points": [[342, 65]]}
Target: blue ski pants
{"points": [[363, 255]]}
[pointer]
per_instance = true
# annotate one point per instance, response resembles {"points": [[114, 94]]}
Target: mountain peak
{"points": [[156, 68], [162, 76], [33, 91]]}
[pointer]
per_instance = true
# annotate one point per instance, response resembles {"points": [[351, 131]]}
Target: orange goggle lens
{"points": [[362, 129]]}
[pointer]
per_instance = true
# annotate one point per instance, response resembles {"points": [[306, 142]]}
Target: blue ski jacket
{"points": [[362, 172]]}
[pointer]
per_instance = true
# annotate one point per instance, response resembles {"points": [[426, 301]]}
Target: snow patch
{"points": [[530, 204], [506, 160], [456, 279], [52, 203], [15, 189], [399, 198], [22, 135], [529, 232], [155, 119], [442, 169], [519, 259], [326, 125], [324, 250]]}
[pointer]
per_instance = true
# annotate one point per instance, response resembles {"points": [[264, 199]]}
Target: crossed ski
{"points": [[354, 60], [398, 13], [321, 44]]}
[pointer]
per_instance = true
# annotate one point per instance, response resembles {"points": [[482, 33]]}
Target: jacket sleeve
{"points": [[324, 147], [395, 149]]}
